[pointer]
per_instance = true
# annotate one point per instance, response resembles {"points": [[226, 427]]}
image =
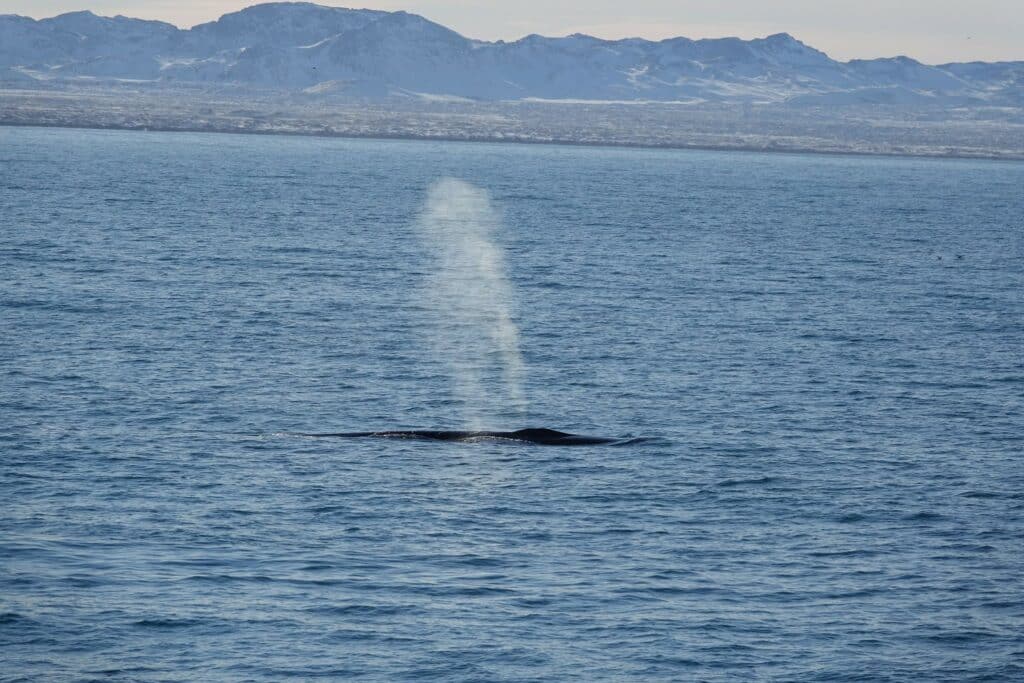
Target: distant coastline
{"points": [[772, 149]]}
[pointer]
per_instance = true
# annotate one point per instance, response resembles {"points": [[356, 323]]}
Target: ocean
{"points": [[814, 363]]}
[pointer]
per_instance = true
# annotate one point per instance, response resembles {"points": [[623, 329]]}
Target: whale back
{"points": [[541, 436]]}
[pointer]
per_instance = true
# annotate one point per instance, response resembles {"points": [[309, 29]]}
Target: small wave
{"points": [[959, 637], [553, 284], [924, 516], [56, 306], [845, 553], [362, 610], [294, 250], [851, 518], [12, 618], [983, 495], [166, 623], [732, 483], [642, 440]]}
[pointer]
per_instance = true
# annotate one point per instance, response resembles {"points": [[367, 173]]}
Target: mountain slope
{"points": [[316, 49]]}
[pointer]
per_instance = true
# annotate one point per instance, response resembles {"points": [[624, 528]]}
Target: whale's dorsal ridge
{"points": [[539, 433]]}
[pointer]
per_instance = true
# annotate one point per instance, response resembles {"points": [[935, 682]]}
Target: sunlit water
{"points": [[825, 354]]}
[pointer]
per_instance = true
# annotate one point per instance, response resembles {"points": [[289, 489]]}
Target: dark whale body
{"points": [[542, 437]]}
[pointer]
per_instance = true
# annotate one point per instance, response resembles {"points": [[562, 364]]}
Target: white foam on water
{"points": [[472, 300]]}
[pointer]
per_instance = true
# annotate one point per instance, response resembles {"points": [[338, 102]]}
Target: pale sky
{"points": [[932, 31]]}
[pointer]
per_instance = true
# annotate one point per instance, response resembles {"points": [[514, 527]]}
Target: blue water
{"points": [[824, 355]]}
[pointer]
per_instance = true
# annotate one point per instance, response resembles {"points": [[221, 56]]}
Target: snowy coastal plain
{"points": [[307, 69]]}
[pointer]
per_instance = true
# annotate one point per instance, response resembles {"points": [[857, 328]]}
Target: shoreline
{"points": [[554, 142]]}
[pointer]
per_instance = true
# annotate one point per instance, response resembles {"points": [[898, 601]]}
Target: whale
{"points": [[540, 437]]}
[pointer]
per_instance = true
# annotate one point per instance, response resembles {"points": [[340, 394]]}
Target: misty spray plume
{"points": [[472, 302]]}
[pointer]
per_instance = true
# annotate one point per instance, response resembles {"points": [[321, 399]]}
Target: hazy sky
{"points": [[930, 30]]}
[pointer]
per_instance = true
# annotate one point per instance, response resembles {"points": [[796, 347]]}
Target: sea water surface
{"points": [[824, 355]]}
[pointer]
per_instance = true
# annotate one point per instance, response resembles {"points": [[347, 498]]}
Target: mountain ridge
{"points": [[309, 48]]}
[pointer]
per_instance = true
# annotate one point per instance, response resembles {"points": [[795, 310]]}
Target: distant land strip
{"points": [[541, 126], [778, 148]]}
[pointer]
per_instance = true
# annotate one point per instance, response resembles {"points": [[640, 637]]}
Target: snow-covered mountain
{"points": [[316, 49]]}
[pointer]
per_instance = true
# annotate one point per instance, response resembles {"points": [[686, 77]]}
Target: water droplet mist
{"points": [[473, 303]]}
